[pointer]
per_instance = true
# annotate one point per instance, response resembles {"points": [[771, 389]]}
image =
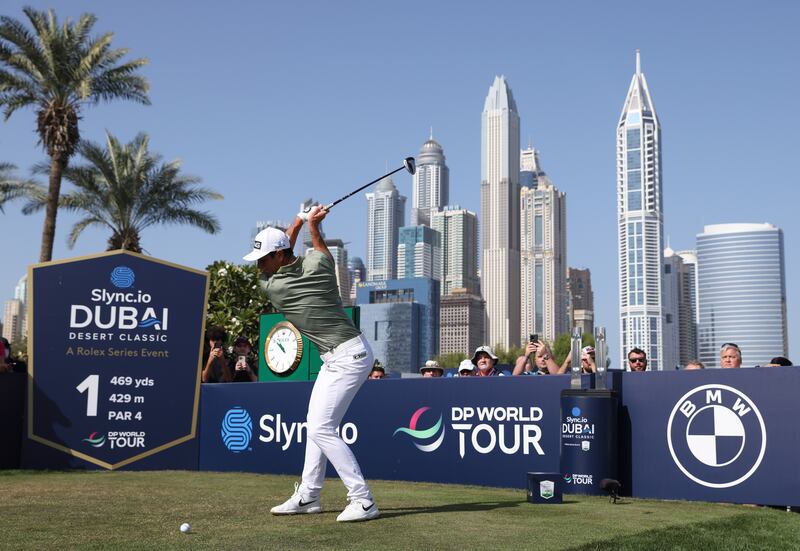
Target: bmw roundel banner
{"points": [[114, 350]]}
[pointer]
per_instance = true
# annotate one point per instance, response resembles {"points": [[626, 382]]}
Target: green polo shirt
{"points": [[306, 293]]}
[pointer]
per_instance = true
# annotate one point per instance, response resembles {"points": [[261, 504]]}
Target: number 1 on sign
{"points": [[90, 383]]}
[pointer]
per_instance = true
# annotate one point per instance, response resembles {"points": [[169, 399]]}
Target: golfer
{"points": [[304, 289]]}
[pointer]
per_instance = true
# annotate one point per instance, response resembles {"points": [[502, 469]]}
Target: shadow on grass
{"points": [[452, 508]]}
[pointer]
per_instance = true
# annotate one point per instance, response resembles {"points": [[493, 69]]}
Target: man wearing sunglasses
{"points": [[637, 360]]}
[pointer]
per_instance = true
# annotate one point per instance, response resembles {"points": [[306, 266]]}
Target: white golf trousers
{"points": [[344, 370]]}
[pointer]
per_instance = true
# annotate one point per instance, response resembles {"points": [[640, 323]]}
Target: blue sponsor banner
{"points": [[469, 430], [713, 435], [115, 343]]}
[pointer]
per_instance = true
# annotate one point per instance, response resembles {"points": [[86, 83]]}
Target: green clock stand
{"points": [[289, 360]]}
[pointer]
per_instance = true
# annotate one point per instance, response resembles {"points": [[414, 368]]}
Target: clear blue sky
{"points": [[272, 102]]}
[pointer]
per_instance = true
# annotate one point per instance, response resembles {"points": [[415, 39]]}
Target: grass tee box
{"points": [[144, 510]]}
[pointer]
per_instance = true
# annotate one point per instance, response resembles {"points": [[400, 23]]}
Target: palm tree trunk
{"points": [[49, 230]]}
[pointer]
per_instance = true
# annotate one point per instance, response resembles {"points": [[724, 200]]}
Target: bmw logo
{"points": [[716, 436]]}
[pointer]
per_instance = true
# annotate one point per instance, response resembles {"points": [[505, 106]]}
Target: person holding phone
{"points": [[216, 368], [241, 364]]}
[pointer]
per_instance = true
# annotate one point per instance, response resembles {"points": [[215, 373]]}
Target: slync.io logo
{"points": [[237, 429]]}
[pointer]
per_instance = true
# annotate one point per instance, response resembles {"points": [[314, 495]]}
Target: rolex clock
{"points": [[283, 348]]}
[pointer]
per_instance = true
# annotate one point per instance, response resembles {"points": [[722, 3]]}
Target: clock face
{"points": [[283, 348]]}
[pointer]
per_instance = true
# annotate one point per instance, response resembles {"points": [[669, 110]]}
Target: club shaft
{"points": [[331, 205]]}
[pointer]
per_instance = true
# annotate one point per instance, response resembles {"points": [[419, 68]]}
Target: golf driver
{"points": [[408, 163]]}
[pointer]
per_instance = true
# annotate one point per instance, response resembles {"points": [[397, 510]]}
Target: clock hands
{"points": [[281, 347]]}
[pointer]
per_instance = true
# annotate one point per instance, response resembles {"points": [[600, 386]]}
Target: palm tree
{"points": [[126, 188], [57, 69], [12, 188]]}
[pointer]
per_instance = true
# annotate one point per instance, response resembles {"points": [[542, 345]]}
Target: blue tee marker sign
{"points": [[115, 344]]}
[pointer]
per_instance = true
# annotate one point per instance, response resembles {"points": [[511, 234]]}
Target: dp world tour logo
{"points": [[94, 440], [122, 277], [716, 436], [423, 434], [237, 429]]}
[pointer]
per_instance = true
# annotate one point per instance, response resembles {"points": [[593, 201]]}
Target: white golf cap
{"points": [[267, 241], [465, 365], [487, 350], [431, 364]]}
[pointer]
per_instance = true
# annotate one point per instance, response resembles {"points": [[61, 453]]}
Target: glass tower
{"points": [[640, 223], [742, 292]]}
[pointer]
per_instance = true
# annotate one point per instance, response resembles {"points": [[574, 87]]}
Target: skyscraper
{"points": [[13, 320], [581, 299], [386, 214], [543, 263], [431, 186], [529, 170], [500, 257], [459, 240], [461, 326], [688, 314], [640, 223], [419, 253], [680, 308], [742, 292], [21, 294]]}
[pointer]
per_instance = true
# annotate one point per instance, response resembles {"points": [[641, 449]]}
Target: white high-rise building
{"points": [[500, 257], [385, 216], [13, 320], [431, 185], [742, 292], [543, 265], [459, 242], [640, 219], [21, 294]]}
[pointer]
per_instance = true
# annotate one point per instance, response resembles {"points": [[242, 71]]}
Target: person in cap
{"points": [[378, 372], [485, 360], [730, 356], [305, 291], [431, 369], [587, 361], [466, 368], [242, 364]]}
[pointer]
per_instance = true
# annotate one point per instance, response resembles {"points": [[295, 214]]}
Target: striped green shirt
{"points": [[306, 292]]}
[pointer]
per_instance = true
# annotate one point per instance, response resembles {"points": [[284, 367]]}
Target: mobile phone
{"points": [[534, 337], [242, 360]]}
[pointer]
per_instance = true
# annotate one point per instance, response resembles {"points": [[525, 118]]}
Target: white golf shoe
{"points": [[300, 503], [359, 509]]}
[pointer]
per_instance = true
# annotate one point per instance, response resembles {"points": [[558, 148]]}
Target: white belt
{"points": [[339, 347]]}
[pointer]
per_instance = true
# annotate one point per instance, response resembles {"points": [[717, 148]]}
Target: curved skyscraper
{"points": [[640, 223], [500, 257], [431, 185], [742, 292]]}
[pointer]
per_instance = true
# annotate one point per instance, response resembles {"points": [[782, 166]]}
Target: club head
{"points": [[410, 164]]}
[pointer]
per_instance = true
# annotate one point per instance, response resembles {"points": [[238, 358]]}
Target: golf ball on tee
{"points": [[185, 527]]}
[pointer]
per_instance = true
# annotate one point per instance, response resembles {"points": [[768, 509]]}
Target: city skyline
{"points": [[283, 122]]}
